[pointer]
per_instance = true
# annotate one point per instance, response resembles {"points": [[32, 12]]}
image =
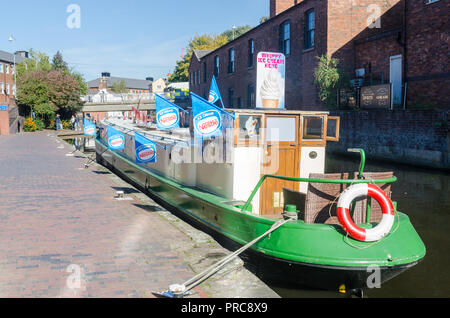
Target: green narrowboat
{"points": [[271, 163]]}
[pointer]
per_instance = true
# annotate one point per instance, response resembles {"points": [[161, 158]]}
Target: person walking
{"points": [[72, 120], [58, 122]]}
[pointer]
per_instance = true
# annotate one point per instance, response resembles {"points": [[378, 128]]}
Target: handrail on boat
{"points": [[337, 181]]}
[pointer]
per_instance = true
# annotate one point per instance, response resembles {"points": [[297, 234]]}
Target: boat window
{"points": [[281, 129], [333, 126], [249, 127], [313, 128]]}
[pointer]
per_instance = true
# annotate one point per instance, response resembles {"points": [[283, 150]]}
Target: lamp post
{"points": [[12, 39]]}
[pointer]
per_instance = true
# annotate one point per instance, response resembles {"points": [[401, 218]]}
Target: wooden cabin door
{"points": [[282, 158]]}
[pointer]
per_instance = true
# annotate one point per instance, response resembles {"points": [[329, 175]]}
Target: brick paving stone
{"points": [[54, 214]]}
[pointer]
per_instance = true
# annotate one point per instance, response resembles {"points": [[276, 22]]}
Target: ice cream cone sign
{"points": [[270, 82]]}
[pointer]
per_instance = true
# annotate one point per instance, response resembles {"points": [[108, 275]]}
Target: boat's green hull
{"points": [[321, 249]]}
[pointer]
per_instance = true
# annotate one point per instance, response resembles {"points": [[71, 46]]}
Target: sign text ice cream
{"points": [[270, 80]]}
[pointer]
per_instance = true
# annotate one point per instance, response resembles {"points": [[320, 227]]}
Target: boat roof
{"points": [[276, 111]]}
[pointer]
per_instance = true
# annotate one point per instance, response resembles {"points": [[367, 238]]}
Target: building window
{"points": [[7, 89], [7, 68], [251, 53], [231, 65], [239, 102], [230, 97], [1, 67], [251, 98], [310, 25], [2, 88], [198, 77], [204, 72], [195, 77], [285, 37], [216, 66]]}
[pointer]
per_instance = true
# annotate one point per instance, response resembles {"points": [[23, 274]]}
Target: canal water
{"points": [[424, 195]]}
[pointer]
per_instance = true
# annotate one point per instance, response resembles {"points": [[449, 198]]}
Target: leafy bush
{"points": [[67, 124], [39, 124], [328, 78], [29, 125]]}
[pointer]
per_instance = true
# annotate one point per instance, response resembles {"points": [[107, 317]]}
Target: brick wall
{"points": [[278, 6], [428, 65], [342, 31], [300, 64], [6, 79], [349, 38], [414, 137]]}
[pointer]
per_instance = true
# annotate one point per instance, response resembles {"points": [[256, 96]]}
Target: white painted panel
{"points": [[247, 173], [309, 165], [396, 78]]}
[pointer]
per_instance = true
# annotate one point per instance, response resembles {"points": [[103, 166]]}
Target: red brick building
{"points": [[8, 108], [379, 38]]}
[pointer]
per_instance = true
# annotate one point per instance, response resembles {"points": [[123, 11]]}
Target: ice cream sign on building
{"points": [[270, 80]]}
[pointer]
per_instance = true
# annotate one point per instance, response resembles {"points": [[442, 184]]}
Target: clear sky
{"points": [[132, 38]]}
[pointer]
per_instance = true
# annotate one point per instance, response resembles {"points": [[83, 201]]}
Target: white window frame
{"points": [[1, 67], [2, 88]]}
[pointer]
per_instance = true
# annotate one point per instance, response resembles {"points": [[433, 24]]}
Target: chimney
{"points": [[278, 6]]}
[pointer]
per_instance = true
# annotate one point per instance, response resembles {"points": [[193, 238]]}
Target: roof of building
{"points": [[9, 57], [129, 82], [201, 53], [179, 85]]}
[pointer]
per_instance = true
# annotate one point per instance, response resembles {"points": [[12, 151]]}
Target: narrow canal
{"points": [[424, 195]]}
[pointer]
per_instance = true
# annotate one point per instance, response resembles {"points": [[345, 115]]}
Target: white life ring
{"points": [[356, 232]]}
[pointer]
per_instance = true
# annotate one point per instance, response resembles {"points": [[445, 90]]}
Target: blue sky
{"points": [[133, 38]]}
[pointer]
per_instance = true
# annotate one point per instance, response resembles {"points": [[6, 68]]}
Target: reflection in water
{"points": [[424, 196]]}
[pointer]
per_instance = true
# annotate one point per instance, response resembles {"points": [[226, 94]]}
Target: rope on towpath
{"points": [[201, 277]]}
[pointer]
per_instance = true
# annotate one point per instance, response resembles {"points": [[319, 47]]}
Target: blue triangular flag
{"points": [[167, 113], [116, 139], [207, 117], [214, 93], [145, 149], [90, 129]]}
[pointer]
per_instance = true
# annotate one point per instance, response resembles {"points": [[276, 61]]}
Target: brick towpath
{"points": [[57, 220]]}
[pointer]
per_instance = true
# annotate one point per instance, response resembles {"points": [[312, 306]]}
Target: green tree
{"points": [[119, 87], [329, 77], [58, 63], [199, 42], [263, 19], [236, 32], [36, 61]]}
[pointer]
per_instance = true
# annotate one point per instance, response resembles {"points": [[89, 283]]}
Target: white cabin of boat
{"points": [[277, 142]]}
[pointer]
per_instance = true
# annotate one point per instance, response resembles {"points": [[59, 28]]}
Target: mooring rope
{"points": [[210, 271]]}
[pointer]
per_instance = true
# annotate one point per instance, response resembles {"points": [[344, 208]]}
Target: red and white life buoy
{"points": [[366, 235]]}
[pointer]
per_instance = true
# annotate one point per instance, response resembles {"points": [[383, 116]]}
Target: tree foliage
{"points": [[119, 87], [328, 77], [203, 42], [48, 88]]}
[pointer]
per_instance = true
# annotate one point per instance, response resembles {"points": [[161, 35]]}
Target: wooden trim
{"points": [[314, 141], [247, 143], [338, 128], [285, 144]]}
